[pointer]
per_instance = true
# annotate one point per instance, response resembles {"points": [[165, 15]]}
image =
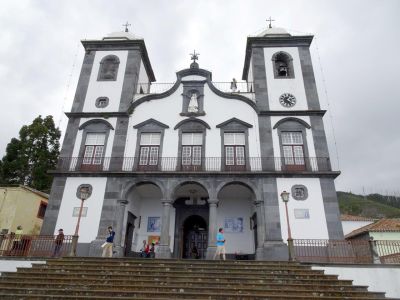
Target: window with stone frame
{"points": [[293, 149], [283, 65], [94, 149], [108, 70], [149, 149], [42, 210], [234, 148], [192, 144]]}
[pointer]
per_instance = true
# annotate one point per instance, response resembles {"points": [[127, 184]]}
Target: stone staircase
{"points": [[122, 278]]}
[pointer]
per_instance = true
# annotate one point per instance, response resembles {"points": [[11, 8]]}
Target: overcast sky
{"points": [[356, 51]]}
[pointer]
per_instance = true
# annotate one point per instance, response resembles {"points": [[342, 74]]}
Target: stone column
{"points": [[212, 228], [164, 251], [260, 228], [120, 216]]}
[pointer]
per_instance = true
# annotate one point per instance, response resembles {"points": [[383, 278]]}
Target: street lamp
{"points": [[84, 193], [285, 198]]}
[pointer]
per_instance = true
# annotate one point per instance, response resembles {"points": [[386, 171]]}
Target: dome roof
{"points": [[122, 35], [274, 31]]}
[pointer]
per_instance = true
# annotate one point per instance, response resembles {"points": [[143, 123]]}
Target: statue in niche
{"points": [[193, 104]]}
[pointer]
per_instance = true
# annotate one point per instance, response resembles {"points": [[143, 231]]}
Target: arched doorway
{"points": [[195, 237]]}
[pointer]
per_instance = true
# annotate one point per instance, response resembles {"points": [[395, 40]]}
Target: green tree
{"points": [[28, 158]]}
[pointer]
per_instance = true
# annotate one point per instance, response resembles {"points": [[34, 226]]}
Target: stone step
{"points": [[327, 279], [150, 284], [10, 296], [253, 275], [192, 293], [177, 269]]}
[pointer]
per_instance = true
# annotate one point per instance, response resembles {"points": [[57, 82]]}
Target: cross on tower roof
{"points": [[270, 22], [194, 56], [126, 26]]}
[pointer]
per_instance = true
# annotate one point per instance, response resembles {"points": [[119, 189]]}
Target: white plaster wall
{"points": [[110, 89], [378, 278], [275, 136], [142, 209], [313, 228], [217, 110], [294, 86], [110, 141], [89, 225], [241, 242], [349, 226]]}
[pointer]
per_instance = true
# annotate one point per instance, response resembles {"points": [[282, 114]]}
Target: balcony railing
{"points": [[242, 88], [347, 251], [34, 245], [207, 164]]}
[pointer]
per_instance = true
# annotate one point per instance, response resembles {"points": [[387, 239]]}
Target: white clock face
{"points": [[287, 100]]}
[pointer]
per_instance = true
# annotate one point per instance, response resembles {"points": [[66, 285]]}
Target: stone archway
{"points": [[190, 199]]}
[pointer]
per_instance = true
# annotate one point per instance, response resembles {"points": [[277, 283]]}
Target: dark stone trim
{"points": [[192, 114], [105, 45], [97, 103], [331, 207], [277, 174], [272, 41], [260, 79], [319, 137], [296, 186], [270, 196], [310, 86], [96, 114], [266, 141], [70, 137], [83, 83], [131, 78], [194, 71], [245, 124], [96, 121], [293, 125], [291, 119], [192, 119], [118, 148], [292, 113], [150, 121]]}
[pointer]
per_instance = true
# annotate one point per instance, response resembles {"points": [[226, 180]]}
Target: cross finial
{"points": [[270, 22], [126, 26], [194, 56]]}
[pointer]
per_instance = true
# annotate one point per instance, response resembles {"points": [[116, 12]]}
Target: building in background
{"points": [[383, 229], [175, 162], [22, 206], [350, 223]]}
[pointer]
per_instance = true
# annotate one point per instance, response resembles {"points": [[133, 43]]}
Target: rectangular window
{"points": [[149, 149], [293, 150], [94, 148], [234, 143], [42, 210], [192, 144]]}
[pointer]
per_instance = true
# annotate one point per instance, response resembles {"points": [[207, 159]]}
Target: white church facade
{"points": [[173, 163]]}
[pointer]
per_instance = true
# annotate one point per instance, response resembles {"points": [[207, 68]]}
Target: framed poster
{"points": [[233, 225], [153, 224], [153, 239]]}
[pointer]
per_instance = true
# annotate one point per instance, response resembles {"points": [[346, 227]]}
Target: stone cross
{"points": [[270, 22], [194, 56], [126, 26]]}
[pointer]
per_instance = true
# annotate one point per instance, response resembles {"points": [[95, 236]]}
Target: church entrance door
{"points": [[195, 237], [130, 227]]}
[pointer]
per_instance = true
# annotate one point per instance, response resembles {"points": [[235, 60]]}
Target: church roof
{"points": [[345, 217], [274, 31], [122, 35], [383, 225]]}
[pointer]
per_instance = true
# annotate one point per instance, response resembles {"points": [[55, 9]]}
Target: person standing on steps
{"points": [[220, 244], [108, 245], [58, 243]]}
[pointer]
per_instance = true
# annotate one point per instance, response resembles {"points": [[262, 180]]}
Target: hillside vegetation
{"points": [[373, 206]]}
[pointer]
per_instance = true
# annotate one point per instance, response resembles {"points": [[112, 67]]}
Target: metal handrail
{"points": [[204, 164]]}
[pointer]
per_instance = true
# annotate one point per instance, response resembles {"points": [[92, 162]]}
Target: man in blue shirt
{"points": [[220, 244], [108, 245]]}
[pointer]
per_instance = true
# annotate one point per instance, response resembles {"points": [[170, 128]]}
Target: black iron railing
{"points": [[206, 164], [34, 245], [347, 251]]}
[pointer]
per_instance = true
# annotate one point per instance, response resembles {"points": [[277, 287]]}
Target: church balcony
{"points": [[243, 88], [195, 165]]}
